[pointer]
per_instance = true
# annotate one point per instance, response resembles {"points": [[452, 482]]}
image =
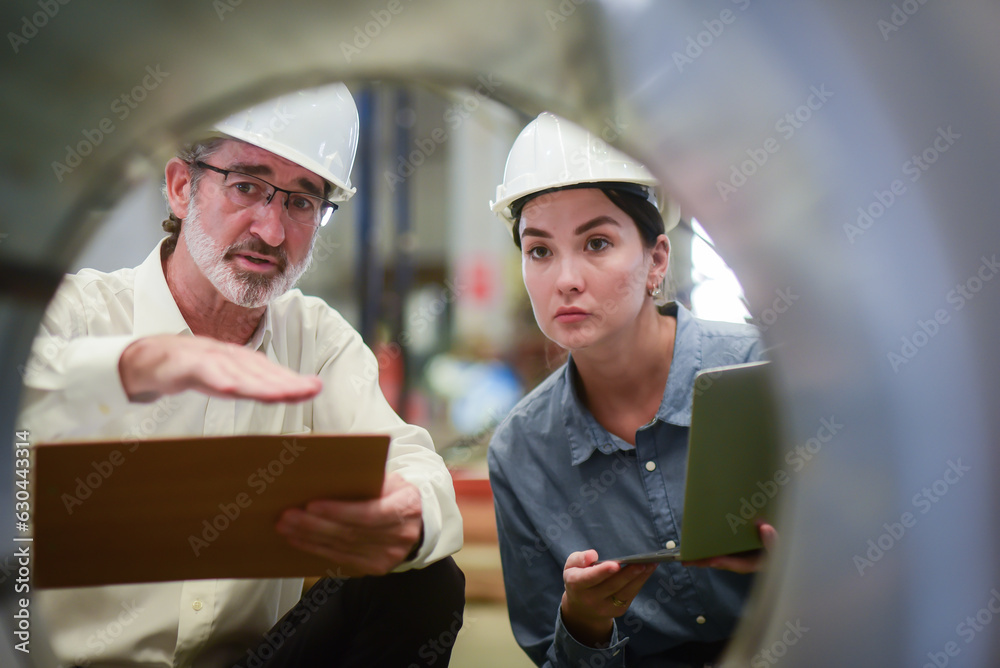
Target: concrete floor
{"points": [[486, 641]]}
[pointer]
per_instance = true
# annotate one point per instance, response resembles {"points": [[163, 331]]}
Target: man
{"points": [[206, 338]]}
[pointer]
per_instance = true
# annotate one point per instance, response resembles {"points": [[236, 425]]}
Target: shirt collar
{"points": [[583, 431], [261, 339], [686, 362], [156, 311]]}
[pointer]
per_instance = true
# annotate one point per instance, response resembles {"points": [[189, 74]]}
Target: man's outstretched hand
{"points": [[165, 364]]}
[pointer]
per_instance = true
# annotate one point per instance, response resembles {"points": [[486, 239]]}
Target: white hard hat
{"points": [[552, 152], [315, 128]]}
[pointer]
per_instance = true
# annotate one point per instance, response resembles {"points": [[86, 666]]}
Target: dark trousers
{"points": [[400, 620]]}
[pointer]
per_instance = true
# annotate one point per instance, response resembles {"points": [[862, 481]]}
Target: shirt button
{"points": [[670, 545], [197, 605], [650, 465], [700, 619]]}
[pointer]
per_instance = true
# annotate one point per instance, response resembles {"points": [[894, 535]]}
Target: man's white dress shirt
{"points": [[73, 391]]}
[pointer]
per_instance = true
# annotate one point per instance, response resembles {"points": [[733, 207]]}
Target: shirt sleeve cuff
{"points": [[92, 376], [440, 534], [573, 653]]}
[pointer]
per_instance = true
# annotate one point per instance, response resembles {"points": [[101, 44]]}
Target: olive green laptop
{"points": [[734, 474]]}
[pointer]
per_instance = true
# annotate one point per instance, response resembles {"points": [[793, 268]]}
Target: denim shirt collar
{"points": [[585, 434]]}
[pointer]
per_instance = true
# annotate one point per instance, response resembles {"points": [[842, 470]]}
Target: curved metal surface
{"points": [[775, 128], [882, 318]]}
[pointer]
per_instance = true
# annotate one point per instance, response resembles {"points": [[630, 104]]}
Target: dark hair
{"points": [[628, 197]]}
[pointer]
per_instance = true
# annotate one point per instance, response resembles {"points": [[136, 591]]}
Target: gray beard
{"points": [[246, 289]]}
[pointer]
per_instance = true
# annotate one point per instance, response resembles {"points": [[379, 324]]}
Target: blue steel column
{"points": [[403, 262], [369, 270]]}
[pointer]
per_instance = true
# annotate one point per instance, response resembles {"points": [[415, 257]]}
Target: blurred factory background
{"points": [[422, 268]]}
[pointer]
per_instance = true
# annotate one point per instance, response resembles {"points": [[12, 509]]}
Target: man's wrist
{"points": [[133, 355]]}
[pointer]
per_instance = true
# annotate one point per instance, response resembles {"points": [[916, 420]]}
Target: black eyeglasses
{"points": [[245, 191]]}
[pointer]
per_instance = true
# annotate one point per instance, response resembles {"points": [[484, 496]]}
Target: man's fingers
{"points": [[324, 529], [260, 388], [349, 564], [374, 514], [397, 486], [367, 537], [169, 364], [232, 371], [300, 525], [368, 550], [391, 509]]}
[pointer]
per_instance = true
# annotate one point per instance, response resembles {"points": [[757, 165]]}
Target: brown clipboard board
{"points": [[186, 509]]}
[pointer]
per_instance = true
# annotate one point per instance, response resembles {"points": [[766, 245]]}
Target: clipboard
{"points": [[108, 512], [734, 472]]}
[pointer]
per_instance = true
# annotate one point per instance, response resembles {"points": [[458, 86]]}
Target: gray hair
{"points": [[190, 153]]}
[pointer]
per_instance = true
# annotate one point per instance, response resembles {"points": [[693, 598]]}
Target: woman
{"points": [[592, 461]]}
